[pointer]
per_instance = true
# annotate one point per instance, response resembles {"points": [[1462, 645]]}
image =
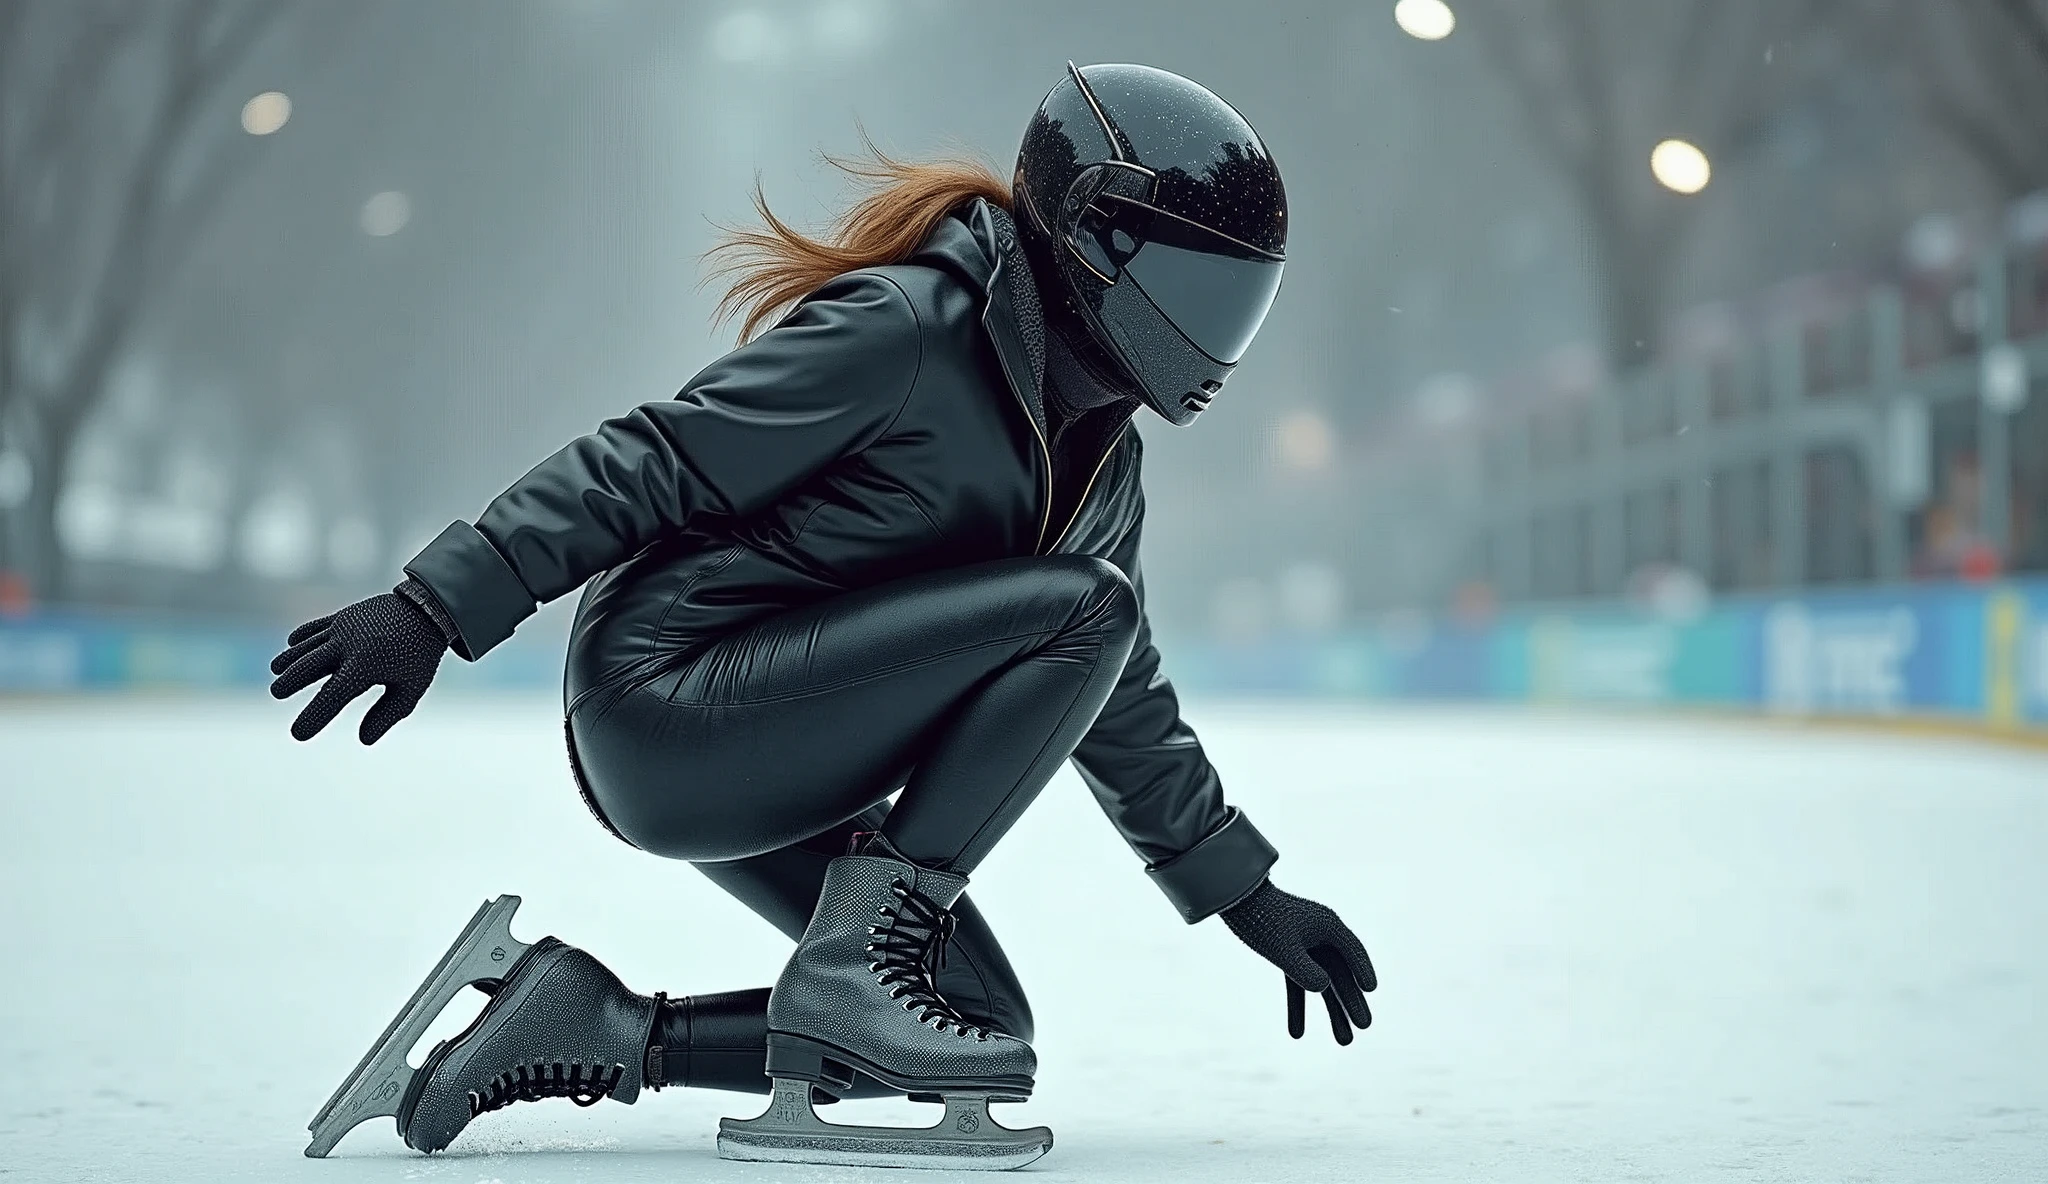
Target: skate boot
{"points": [[561, 1026], [558, 1024], [858, 995]]}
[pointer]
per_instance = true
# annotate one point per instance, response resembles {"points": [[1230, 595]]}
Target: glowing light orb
{"points": [[1425, 20], [266, 113], [1680, 167]]}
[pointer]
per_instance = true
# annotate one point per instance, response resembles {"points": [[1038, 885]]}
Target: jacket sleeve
{"points": [[1150, 775], [824, 383]]}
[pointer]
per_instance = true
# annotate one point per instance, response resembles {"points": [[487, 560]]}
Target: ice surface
{"points": [[1611, 949]]}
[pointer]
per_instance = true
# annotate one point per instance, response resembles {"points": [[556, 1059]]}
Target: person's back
{"points": [[952, 476]]}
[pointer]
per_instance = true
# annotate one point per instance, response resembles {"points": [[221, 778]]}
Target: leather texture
{"points": [[721, 1042], [830, 992], [966, 687], [561, 1006], [783, 888], [890, 426], [1204, 881], [711, 1042]]}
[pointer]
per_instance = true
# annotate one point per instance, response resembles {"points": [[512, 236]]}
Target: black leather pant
{"points": [[759, 755]]}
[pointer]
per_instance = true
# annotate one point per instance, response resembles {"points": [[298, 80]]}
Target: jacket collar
{"points": [[978, 242]]}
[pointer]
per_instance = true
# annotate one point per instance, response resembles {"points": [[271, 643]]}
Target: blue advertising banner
{"points": [[1882, 653], [1977, 652], [2030, 665], [59, 653]]}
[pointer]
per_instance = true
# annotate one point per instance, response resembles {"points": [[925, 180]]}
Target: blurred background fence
{"points": [[1689, 351]]}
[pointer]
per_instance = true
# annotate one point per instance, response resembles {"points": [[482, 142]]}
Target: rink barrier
{"points": [[1956, 654], [1959, 654]]}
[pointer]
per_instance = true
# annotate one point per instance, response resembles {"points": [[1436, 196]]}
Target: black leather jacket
{"points": [[890, 424]]}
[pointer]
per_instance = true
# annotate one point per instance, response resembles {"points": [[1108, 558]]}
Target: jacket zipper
{"points": [[1085, 490], [1045, 454], [1045, 457]]}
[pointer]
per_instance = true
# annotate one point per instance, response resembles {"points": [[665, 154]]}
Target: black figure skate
{"points": [[858, 996], [558, 1025]]}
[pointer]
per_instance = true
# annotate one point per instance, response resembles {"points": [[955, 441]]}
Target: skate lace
{"points": [[585, 1085], [906, 955]]}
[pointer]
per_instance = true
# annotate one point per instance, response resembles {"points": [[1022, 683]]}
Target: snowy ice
{"points": [[1611, 948]]}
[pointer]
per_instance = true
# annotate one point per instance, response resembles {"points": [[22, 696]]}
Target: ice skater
{"points": [[889, 542]]}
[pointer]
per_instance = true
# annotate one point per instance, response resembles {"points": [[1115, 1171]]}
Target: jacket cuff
{"points": [[1217, 872], [480, 592], [420, 597]]}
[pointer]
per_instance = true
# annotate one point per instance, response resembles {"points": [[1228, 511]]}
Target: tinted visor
{"points": [[1214, 289]]}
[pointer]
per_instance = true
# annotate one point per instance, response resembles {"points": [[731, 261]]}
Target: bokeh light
{"points": [[386, 214], [1425, 20], [266, 113], [1680, 167], [1304, 441]]}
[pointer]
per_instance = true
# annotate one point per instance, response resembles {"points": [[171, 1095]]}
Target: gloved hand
{"points": [[386, 641], [1316, 951]]}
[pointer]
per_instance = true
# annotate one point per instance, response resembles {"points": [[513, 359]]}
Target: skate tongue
{"points": [[872, 842], [943, 888]]}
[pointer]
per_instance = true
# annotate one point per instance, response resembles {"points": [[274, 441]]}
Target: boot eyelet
{"points": [[906, 952]]}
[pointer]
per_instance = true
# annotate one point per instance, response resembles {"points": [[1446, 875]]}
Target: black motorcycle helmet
{"points": [[1156, 224]]}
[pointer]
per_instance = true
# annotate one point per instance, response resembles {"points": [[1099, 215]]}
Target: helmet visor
{"points": [[1214, 289]]}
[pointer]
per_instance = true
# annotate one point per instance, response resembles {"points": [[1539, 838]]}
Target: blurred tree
{"points": [[1601, 82], [1977, 72], [116, 148]]}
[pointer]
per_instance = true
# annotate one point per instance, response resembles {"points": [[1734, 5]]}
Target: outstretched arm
{"points": [[825, 383]]}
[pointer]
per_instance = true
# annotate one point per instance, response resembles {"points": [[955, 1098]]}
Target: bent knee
{"points": [[1100, 596]]}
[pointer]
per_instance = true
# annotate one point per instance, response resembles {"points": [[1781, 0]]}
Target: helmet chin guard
{"points": [[1163, 221]]}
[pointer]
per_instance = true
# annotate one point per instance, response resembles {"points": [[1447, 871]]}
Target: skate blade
{"points": [[964, 1139], [485, 950]]}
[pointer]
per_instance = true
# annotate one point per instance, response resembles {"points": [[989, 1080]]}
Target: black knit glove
{"points": [[1316, 951], [388, 641]]}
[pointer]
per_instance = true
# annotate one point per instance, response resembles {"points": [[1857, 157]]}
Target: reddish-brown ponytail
{"points": [[774, 268]]}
